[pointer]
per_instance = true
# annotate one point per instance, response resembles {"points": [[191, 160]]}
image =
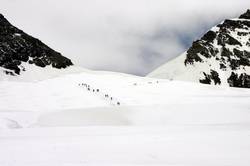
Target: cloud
{"points": [[132, 36]]}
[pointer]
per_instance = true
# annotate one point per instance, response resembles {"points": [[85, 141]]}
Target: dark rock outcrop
{"points": [[213, 76], [245, 15], [240, 81], [16, 47]]}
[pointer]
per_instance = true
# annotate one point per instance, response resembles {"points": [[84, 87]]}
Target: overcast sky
{"points": [[132, 36]]}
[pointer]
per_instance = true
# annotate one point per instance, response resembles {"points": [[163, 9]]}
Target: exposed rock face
{"points": [[209, 77], [245, 15], [17, 47], [241, 81], [221, 56], [227, 44]]}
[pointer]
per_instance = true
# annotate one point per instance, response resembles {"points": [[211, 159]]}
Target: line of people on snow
{"points": [[149, 82], [98, 91]]}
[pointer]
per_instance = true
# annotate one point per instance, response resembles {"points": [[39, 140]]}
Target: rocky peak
{"points": [[245, 15], [3, 19], [220, 57], [229, 44], [17, 47]]}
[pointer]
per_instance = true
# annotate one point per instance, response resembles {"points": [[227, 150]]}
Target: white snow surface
{"points": [[56, 121]]}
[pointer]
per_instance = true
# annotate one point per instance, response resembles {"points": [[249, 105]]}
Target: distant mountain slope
{"points": [[18, 48], [220, 57]]}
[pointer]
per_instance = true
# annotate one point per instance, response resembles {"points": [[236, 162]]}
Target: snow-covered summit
{"points": [[220, 57], [17, 49]]}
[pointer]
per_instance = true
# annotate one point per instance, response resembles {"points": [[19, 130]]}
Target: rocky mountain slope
{"points": [[220, 57], [18, 48]]}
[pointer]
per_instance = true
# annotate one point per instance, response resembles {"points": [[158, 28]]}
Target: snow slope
{"points": [[59, 121], [209, 145]]}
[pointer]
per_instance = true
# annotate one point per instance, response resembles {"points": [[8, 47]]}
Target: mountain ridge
{"points": [[17, 48], [220, 57]]}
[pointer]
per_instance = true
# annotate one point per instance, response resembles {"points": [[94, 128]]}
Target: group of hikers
{"points": [[98, 90], [150, 82]]}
